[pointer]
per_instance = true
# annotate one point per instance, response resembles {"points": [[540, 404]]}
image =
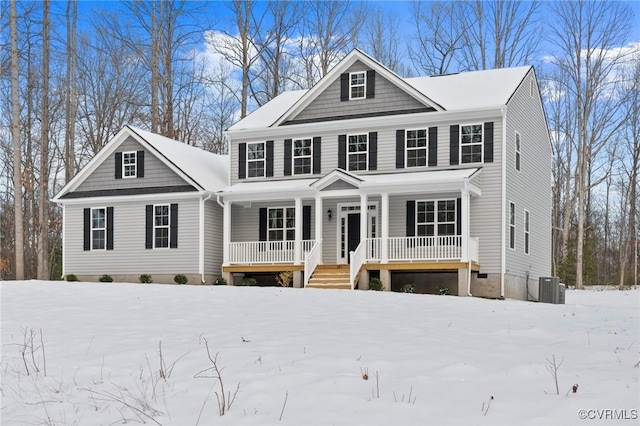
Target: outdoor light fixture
{"points": [[329, 214]]}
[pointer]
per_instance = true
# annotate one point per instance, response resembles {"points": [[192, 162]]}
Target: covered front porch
{"points": [[297, 225]]}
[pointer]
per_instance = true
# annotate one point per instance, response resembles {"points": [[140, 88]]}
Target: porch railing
{"points": [[358, 258], [311, 260], [425, 248], [271, 252]]}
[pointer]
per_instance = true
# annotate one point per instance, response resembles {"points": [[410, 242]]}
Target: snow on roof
{"points": [[474, 89], [403, 179], [209, 170], [277, 186], [267, 114], [467, 90]]}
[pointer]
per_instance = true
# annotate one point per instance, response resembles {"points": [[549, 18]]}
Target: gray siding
{"points": [[213, 238], [388, 97], [156, 173], [529, 188], [339, 184], [129, 255]]}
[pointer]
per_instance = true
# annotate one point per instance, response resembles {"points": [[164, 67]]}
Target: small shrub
{"points": [[375, 284], [285, 278], [105, 279], [71, 277], [249, 281], [145, 279], [180, 279], [408, 288], [220, 281], [443, 291]]}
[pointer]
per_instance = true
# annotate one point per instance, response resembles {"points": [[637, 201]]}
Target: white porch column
{"points": [[465, 221], [297, 245], [318, 220], [226, 231], [384, 246], [364, 210]]}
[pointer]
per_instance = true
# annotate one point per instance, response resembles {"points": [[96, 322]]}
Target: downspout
{"points": [[503, 214], [201, 248], [63, 244], [468, 219]]}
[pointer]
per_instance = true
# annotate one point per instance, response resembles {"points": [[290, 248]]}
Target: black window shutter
{"points": [[87, 229], [454, 145], [344, 86], [400, 149], [148, 240], [371, 84], [140, 164], [109, 228], [269, 170], [373, 150], [433, 146], [317, 155], [173, 227], [118, 165], [342, 152], [488, 142], [262, 231], [242, 161], [287, 156], [411, 218], [306, 222], [459, 216]]}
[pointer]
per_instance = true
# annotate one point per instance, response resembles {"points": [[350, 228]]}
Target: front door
{"points": [[353, 232], [349, 228]]}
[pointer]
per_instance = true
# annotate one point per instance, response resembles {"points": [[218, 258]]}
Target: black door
{"points": [[353, 232]]}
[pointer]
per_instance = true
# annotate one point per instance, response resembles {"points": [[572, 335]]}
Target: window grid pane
{"points": [[161, 222], [129, 163], [281, 224], [357, 152], [255, 159], [436, 218], [471, 143], [98, 228], [302, 154], [357, 85]]}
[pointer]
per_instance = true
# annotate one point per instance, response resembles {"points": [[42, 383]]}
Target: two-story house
{"points": [[439, 182], [145, 204]]}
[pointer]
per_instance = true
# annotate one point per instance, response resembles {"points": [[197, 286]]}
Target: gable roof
{"points": [[462, 91], [206, 171]]}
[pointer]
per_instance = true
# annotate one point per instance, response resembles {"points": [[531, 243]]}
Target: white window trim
{"points": [[406, 146], [364, 86], [435, 217], [284, 223], [481, 143], [99, 229], [294, 157], [168, 226], [518, 150], [527, 232], [512, 226], [135, 165], [366, 152], [263, 160]]}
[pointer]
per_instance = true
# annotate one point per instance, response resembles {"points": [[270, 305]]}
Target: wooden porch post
{"points": [[364, 213], [226, 231], [384, 246], [297, 245], [318, 220]]}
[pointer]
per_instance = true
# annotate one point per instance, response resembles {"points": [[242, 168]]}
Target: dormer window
{"points": [[357, 85], [129, 161]]}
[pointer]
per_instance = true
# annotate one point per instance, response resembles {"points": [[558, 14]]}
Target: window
{"points": [[517, 151], [302, 154], [526, 232], [281, 224], [98, 228], [512, 225], [416, 148], [357, 152], [471, 143], [129, 164], [357, 85], [161, 221], [255, 159], [435, 218]]}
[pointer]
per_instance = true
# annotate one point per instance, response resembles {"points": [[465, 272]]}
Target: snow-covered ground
{"points": [[297, 357]]}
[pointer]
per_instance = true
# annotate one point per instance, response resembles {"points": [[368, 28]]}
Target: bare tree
{"points": [[71, 105], [586, 34], [15, 135], [382, 38]]}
